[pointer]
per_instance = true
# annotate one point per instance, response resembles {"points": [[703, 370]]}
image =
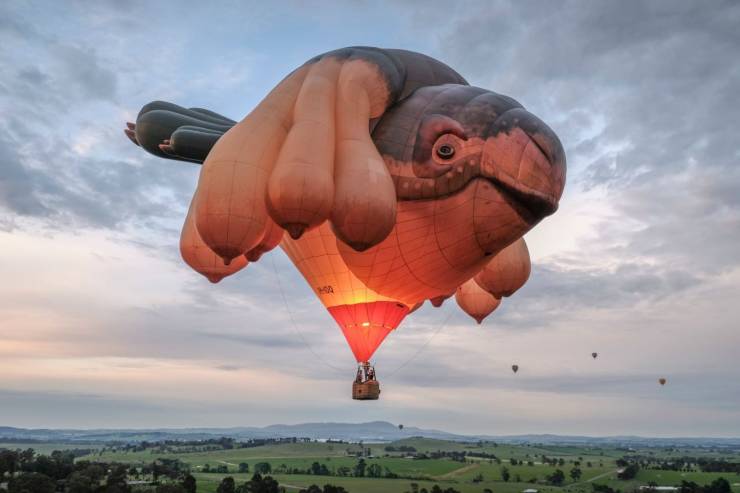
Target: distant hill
{"points": [[375, 431]]}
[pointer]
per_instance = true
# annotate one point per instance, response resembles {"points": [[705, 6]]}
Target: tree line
{"points": [[28, 472]]}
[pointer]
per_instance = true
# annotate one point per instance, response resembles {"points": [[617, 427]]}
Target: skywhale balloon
{"points": [[396, 181]]}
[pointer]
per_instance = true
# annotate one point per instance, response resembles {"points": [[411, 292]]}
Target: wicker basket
{"points": [[366, 391]]}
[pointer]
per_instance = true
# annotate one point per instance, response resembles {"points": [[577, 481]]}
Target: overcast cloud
{"points": [[101, 324]]}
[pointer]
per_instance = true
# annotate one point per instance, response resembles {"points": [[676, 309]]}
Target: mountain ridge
{"points": [[372, 431]]}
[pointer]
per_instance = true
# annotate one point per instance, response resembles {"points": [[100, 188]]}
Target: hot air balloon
{"points": [[594, 355], [515, 368], [364, 316], [662, 381], [475, 301], [507, 271], [396, 181], [400, 427]]}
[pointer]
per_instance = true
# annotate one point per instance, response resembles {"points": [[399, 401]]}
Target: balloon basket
{"points": [[366, 386], [366, 391]]}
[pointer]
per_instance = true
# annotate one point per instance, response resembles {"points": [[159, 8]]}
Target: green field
{"points": [[427, 472], [45, 448], [472, 474]]}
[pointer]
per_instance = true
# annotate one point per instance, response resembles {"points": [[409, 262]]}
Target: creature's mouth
{"points": [[531, 205]]}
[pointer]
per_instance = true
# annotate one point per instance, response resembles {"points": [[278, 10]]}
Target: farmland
{"points": [[413, 464]]}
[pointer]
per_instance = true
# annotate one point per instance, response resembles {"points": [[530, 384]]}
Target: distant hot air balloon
{"points": [[202, 259], [594, 355], [662, 381], [396, 181], [515, 368], [400, 427], [507, 271], [475, 301]]}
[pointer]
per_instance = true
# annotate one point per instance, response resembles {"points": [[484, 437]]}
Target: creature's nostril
{"points": [[445, 151]]}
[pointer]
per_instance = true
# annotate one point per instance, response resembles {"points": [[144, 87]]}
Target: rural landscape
{"points": [[547, 464]]}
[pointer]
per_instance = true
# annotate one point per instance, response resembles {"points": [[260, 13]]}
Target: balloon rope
{"points": [[295, 325], [424, 346]]}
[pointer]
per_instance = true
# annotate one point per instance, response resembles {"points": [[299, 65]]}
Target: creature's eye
{"points": [[445, 151]]}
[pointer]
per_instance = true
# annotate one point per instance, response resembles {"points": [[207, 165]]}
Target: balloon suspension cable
{"points": [[423, 346], [295, 325]]}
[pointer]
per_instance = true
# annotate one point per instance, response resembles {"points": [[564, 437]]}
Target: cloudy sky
{"points": [[102, 324]]}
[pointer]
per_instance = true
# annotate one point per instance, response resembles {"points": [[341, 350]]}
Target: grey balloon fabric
{"points": [[173, 132]]}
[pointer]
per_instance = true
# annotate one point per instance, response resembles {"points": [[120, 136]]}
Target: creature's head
{"points": [[461, 144]]}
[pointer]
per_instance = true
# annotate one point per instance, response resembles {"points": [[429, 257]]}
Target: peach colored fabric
{"points": [[435, 245], [475, 301], [271, 239], [232, 214], [507, 271], [316, 256], [202, 259], [364, 200]]}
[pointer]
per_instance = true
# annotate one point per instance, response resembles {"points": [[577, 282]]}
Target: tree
{"points": [[575, 474], [330, 488], [319, 469], [189, 485], [557, 478], [79, 482], [505, 474], [26, 456], [259, 484], [31, 482], [359, 470], [117, 478], [227, 485], [374, 471], [8, 462], [243, 467], [263, 468], [719, 485]]}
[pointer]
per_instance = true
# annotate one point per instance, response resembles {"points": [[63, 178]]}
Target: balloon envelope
{"points": [[364, 316], [594, 355], [515, 368], [662, 381]]}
